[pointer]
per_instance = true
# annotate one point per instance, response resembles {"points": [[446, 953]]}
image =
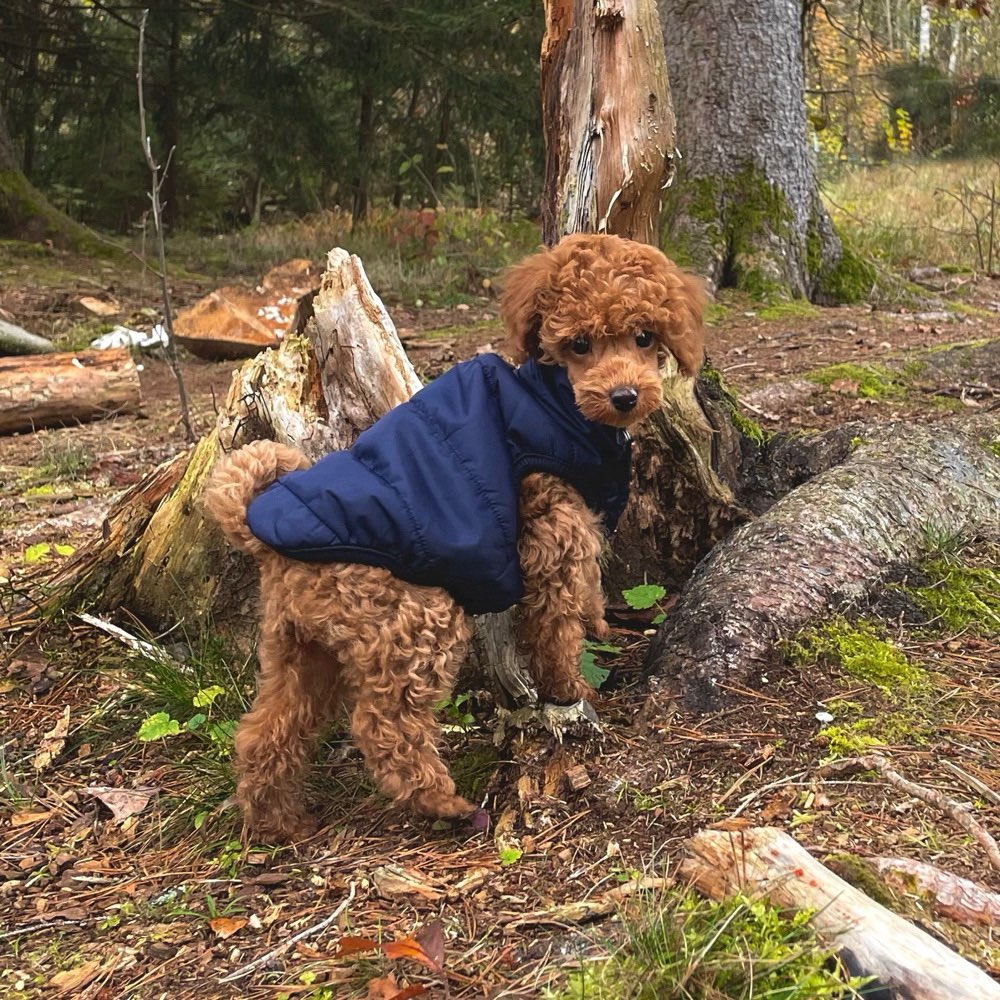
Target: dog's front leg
{"points": [[559, 545]]}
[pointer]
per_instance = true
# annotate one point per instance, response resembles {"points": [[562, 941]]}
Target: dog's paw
{"points": [[282, 829], [599, 629], [441, 805]]}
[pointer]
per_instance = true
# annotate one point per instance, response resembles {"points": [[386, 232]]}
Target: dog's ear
{"points": [[686, 301], [521, 303]]}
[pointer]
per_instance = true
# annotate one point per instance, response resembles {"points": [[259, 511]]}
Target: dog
{"points": [[494, 485]]}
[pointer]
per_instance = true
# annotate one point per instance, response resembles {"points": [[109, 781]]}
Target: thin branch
{"points": [[291, 942], [158, 177], [958, 812]]}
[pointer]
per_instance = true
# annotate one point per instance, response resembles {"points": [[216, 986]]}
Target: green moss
{"points": [[960, 598], [994, 446], [859, 651], [745, 425], [851, 279], [874, 381], [853, 869], [794, 309]]}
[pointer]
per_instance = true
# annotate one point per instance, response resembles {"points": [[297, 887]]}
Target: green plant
{"points": [[645, 596], [692, 949]]}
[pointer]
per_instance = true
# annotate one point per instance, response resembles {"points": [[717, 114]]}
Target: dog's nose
{"points": [[623, 398]]}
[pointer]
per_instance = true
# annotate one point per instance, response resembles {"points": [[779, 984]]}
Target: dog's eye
{"points": [[580, 345], [643, 338]]}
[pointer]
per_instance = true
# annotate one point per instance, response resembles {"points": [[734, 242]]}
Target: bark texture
{"points": [[745, 208], [607, 118], [66, 387], [872, 940], [824, 545]]}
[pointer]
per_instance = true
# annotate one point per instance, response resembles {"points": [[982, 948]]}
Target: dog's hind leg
{"points": [[559, 545], [276, 739], [404, 675]]}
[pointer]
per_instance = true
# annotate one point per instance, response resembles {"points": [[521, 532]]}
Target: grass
{"points": [[415, 257], [917, 212], [688, 948]]}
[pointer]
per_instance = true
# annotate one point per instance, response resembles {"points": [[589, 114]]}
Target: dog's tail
{"points": [[238, 478]]}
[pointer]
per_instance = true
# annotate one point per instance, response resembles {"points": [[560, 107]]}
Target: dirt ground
{"points": [[102, 906]]}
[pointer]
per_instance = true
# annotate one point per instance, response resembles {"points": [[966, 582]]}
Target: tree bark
{"points": [[16, 340], [745, 209], [66, 387], [870, 939], [824, 545], [607, 118]]}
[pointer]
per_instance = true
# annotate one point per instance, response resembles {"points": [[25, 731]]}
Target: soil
{"points": [[141, 904]]}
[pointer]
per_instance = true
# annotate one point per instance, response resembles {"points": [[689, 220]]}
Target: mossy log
{"points": [[66, 387], [824, 545], [871, 940]]}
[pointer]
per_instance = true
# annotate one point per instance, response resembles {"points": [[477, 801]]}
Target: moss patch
{"points": [[851, 279], [960, 598], [874, 381], [793, 309], [747, 427], [860, 652]]}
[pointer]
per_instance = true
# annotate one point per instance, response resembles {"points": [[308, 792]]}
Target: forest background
{"points": [[372, 110]]}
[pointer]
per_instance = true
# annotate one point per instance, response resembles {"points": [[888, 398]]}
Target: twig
{"points": [[972, 782], [43, 926], [158, 178], [959, 813], [294, 940]]}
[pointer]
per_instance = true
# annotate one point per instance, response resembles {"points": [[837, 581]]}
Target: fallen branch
{"points": [[951, 896], [274, 953], [958, 812], [872, 940]]}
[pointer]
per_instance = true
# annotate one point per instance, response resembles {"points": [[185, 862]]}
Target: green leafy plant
{"points": [[645, 596]]}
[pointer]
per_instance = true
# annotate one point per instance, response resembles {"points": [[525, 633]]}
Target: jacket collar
{"points": [[550, 385]]}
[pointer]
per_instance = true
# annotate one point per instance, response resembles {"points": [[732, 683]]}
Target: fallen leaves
{"points": [[52, 742], [123, 802], [225, 927]]}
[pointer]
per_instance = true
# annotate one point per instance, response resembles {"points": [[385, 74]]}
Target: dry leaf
{"points": [[73, 980], [410, 991], [382, 988], [224, 927], [52, 742], [430, 937], [352, 945], [123, 802], [30, 816]]}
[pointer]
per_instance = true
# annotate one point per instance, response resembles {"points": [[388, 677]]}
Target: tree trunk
{"points": [[607, 119], [871, 940], [67, 387], [16, 340], [745, 209], [26, 214], [823, 545]]}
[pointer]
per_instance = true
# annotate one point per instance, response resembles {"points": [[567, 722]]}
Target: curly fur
{"points": [[355, 639]]}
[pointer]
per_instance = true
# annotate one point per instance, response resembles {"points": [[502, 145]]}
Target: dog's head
{"points": [[608, 310]]}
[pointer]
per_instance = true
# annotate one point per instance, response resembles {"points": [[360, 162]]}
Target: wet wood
{"points": [[66, 387], [825, 544], [871, 939]]}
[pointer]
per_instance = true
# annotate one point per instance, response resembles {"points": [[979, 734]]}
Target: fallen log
{"points": [[824, 545], [16, 340], [67, 387], [872, 940]]}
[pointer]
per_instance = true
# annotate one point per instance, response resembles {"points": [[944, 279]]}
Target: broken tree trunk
{"points": [[872, 940], [67, 387], [824, 545], [315, 392], [607, 119]]}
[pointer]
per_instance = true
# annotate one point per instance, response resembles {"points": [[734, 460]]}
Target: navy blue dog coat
{"points": [[430, 492]]}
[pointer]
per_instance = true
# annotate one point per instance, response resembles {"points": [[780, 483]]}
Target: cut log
{"points": [[68, 387], [236, 322], [825, 544], [950, 895], [872, 940], [16, 340]]}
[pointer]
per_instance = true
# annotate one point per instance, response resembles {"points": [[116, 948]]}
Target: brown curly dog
{"points": [[355, 638]]}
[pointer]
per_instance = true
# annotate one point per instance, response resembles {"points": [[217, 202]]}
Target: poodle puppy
{"points": [[493, 486]]}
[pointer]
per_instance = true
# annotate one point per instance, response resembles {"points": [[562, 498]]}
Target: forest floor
{"points": [[139, 903]]}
